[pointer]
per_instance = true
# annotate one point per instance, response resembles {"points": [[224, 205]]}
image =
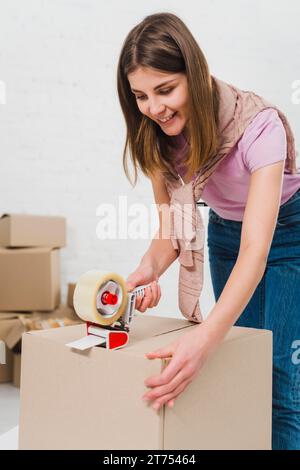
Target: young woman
{"points": [[195, 135]]}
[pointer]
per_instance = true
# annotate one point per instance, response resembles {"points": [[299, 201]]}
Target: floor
{"points": [[9, 411]]}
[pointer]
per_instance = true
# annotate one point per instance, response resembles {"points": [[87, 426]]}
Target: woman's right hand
{"points": [[145, 275]]}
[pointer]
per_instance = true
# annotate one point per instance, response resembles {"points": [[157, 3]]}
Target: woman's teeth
{"points": [[167, 118]]}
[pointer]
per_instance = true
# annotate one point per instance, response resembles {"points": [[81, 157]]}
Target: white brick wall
{"points": [[62, 130]]}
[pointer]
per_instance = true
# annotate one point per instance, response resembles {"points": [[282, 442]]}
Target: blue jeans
{"points": [[275, 306]]}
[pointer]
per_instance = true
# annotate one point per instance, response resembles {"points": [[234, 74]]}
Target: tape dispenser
{"points": [[101, 299]]}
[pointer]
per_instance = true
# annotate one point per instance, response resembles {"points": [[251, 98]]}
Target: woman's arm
{"points": [[191, 350], [258, 228], [160, 254]]}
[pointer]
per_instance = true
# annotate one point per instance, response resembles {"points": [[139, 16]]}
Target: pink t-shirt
{"points": [[263, 143]]}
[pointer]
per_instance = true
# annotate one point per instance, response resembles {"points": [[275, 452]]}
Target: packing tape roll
{"points": [[85, 296]]}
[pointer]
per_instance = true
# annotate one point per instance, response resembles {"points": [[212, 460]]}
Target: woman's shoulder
{"points": [[264, 140], [266, 121]]}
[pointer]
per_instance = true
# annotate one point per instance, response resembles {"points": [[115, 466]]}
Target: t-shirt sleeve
{"points": [[264, 141]]}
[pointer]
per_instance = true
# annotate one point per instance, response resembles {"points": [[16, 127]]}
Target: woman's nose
{"points": [[156, 108]]}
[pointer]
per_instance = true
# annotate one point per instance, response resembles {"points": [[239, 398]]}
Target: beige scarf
{"points": [[237, 108]]}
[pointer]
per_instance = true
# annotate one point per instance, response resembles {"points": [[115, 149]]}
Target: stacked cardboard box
{"points": [[30, 296], [29, 261]]}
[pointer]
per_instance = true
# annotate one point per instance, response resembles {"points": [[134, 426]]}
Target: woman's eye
{"points": [[165, 92], [162, 92]]}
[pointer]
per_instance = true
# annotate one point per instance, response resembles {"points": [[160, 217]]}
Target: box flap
{"points": [[147, 326], [15, 334], [147, 332], [143, 327], [6, 326]]}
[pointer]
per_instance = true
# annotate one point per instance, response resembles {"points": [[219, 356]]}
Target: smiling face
{"points": [[159, 95]]}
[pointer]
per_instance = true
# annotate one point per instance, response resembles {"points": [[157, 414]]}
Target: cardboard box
{"points": [[98, 392], [71, 288], [25, 230], [2, 352], [16, 370], [6, 370], [7, 322], [62, 316], [29, 279]]}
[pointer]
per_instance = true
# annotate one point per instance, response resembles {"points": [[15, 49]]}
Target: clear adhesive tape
{"points": [[85, 296]]}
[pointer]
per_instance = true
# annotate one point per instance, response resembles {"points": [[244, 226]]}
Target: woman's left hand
{"points": [[188, 354]]}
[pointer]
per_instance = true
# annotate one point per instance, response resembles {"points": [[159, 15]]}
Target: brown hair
{"points": [[163, 42]]}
